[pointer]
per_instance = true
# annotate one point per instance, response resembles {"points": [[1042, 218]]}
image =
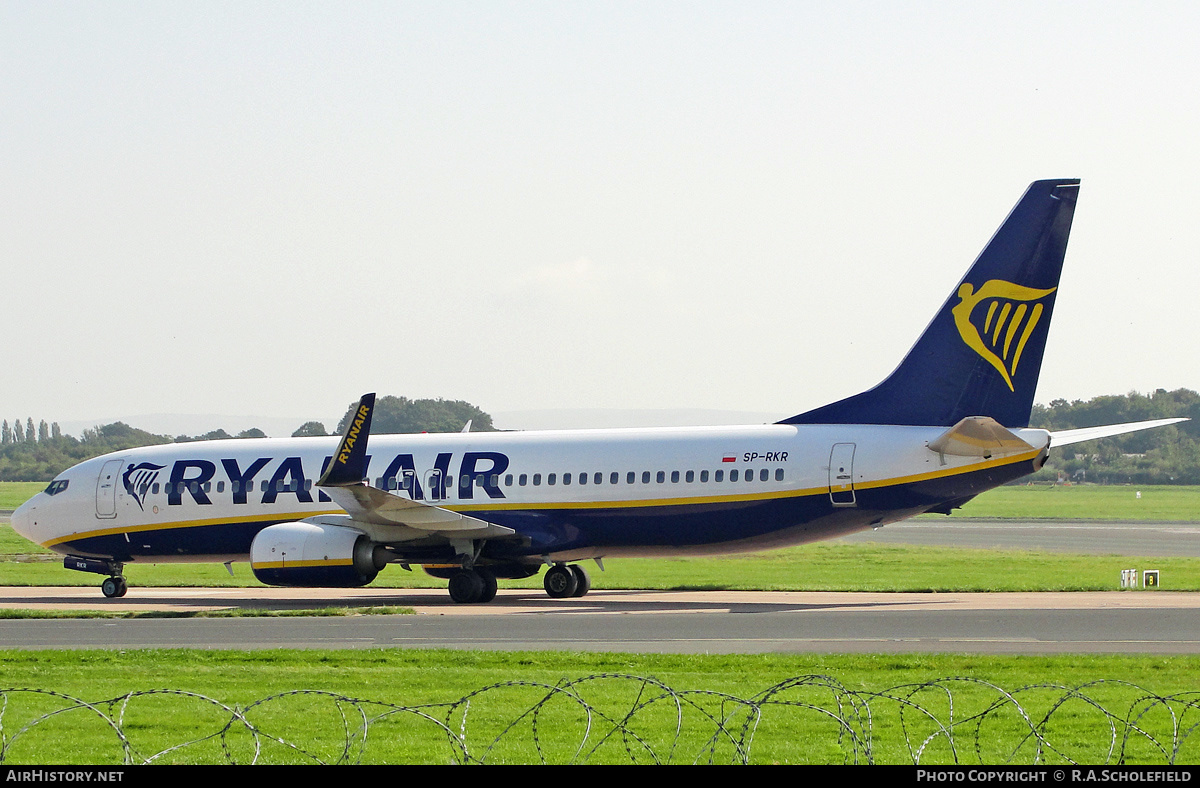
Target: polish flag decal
{"points": [[729, 458]]}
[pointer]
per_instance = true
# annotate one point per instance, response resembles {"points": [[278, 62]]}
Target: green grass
{"points": [[1086, 502], [198, 683], [322, 612], [825, 566], [388, 685], [13, 494]]}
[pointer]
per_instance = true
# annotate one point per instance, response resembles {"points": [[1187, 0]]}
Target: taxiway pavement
{"points": [[1161, 622]]}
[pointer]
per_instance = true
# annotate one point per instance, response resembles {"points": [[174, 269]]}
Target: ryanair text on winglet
{"points": [[352, 435]]}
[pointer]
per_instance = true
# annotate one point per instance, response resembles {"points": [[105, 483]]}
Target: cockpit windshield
{"points": [[57, 486]]}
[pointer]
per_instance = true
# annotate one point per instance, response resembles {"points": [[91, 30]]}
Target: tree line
{"points": [[18, 434], [34, 454], [1165, 455], [23, 459]]}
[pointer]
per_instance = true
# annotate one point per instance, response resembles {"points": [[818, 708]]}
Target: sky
{"points": [[271, 208]]}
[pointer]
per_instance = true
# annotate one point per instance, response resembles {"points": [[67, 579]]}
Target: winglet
{"points": [[349, 463]]}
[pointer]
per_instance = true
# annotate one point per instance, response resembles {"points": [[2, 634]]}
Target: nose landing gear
{"points": [[114, 585]]}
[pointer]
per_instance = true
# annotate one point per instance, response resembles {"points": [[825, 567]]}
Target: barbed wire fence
{"points": [[618, 718]]}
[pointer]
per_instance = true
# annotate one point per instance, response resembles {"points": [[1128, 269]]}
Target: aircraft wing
{"points": [[344, 482], [368, 504], [1067, 437]]}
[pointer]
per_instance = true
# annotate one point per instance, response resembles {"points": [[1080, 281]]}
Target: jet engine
{"points": [[315, 555]]}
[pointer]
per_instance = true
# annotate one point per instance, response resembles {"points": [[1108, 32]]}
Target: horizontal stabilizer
{"points": [[1067, 437], [979, 436]]}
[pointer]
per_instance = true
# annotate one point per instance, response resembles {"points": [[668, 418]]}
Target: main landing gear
{"points": [[563, 581], [472, 586], [478, 584]]}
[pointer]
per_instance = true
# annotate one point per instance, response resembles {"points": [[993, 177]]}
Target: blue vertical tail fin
{"points": [[982, 353]]}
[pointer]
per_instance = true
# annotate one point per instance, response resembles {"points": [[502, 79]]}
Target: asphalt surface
{"points": [[630, 621], [675, 622]]}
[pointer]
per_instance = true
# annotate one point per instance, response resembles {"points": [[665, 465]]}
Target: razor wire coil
{"points": [[623, 718]]}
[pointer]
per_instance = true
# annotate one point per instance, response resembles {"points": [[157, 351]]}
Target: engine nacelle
{"points": [[315, 555]]}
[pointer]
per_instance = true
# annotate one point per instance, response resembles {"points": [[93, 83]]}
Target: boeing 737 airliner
{"points": [[949, 423]]}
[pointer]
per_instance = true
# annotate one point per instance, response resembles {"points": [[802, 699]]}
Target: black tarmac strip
{"points": [[1160, 622]]}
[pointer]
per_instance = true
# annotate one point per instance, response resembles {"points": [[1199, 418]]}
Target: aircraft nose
{"points": [[24, 519]]}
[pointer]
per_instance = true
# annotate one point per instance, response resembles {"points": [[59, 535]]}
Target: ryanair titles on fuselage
{"points": [[192, 477]]}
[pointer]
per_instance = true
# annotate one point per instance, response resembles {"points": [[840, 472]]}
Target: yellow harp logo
{"points": [[1000, 332]]}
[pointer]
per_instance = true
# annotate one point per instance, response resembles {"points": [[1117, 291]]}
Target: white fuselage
{"points": [[568, 494]]}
